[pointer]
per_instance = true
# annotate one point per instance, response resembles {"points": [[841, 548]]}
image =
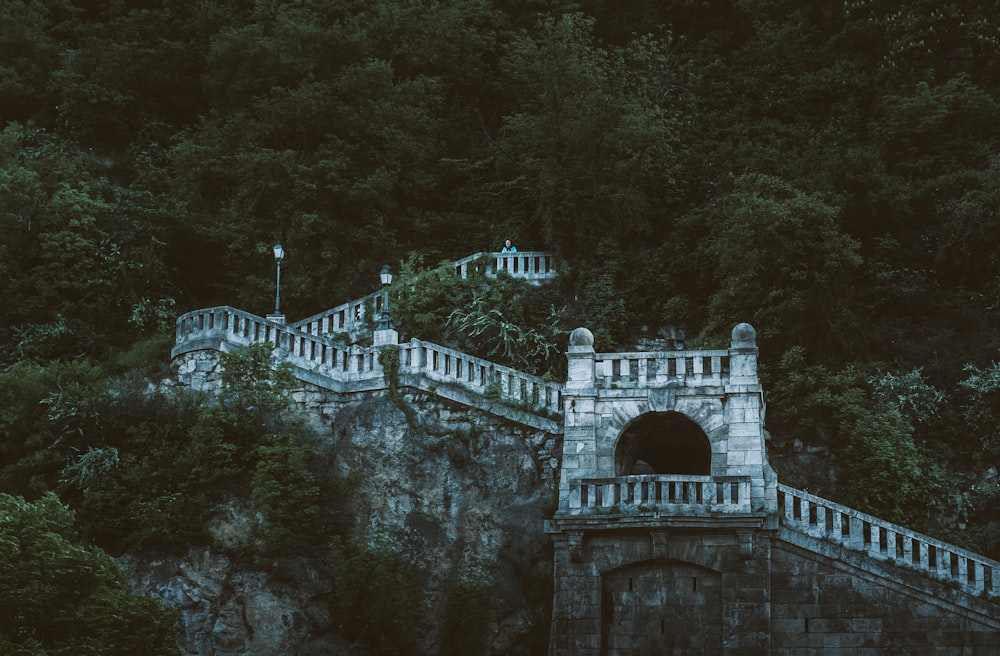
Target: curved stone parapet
{"points": [[332, 365]]}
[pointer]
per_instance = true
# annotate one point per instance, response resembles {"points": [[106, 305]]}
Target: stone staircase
{"points": [[319, 358], [888, 543], [332, 365]]}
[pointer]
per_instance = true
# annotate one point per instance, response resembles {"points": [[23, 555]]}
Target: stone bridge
{"points": [[673, 534]]}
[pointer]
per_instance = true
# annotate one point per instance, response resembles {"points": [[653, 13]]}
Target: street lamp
{"points": [[279, 255], [386, 277]]}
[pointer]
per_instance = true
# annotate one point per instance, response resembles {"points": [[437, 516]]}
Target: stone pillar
{"points": [[385, 337], [743, 356], [579, 400], [746, 454]]}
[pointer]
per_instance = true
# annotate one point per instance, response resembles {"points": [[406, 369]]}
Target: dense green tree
{"points": [[255, 385], [78, 252], [58, 597], [589, 150], [377, 592], [774, 255], [286, 498], [825, 171]]}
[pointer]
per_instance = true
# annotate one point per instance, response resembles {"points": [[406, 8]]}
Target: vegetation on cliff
{"points": [[828, 173]]}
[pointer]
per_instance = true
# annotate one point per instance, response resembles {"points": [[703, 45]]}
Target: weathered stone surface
{"points": [[453, 488]]}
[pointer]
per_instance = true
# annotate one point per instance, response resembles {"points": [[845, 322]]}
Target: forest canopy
{"points": [[828, 172]]}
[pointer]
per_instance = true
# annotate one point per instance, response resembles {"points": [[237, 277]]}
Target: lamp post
{"points": [[279, 255], [385, 332], [386, 277]]}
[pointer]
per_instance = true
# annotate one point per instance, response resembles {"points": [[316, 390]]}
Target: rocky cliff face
{"points": [[446, 487]]}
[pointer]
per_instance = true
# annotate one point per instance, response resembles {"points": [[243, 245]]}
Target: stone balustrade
{"points": [[882, 540], [661, 494], [534, 266], [347, 318], [445, 365], [211, 327], [642, 369], [431, 365], [350, 317], [224, 326]]}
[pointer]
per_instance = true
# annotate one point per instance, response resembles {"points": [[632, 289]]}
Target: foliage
{"points": [[285, 497], [779, 261], [827, 172], [892, 476], [78, 251], [502, 319], [423, 298], [57, 597], [377, 592], [257, 385], [527, 349], [466, 612], [983, 409], [47, 412], [162, 468]]}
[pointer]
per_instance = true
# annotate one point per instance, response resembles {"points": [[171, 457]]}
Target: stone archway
{"points": [[663, 443]]}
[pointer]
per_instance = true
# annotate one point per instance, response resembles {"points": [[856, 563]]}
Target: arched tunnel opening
{"points": [[663, 443]]}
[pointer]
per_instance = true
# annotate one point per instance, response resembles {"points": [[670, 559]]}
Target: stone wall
{"points": [[712, 590], [825, 605], [660, 590]]}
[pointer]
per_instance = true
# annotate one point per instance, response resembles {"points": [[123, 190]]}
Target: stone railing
{"points": [[221, 327], [350, 318], [534, 266], [493, 381], [340, 367], [347, 318], [641, 369], [212, 327], [661, 494], [826, 520]]}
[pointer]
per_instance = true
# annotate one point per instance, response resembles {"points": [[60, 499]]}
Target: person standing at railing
{"points": [[509, 247]]}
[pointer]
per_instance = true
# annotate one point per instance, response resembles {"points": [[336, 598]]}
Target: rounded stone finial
{"points": [[581, 337], [744, 335]]}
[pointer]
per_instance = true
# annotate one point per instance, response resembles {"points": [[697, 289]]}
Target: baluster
{"points": [[857, 536], [925, 557], [908, 549], [978, 578], [803, 508], [963, 571], [789, 500], [820, 520], [944, 564], [874, 548], [609, 494]]}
